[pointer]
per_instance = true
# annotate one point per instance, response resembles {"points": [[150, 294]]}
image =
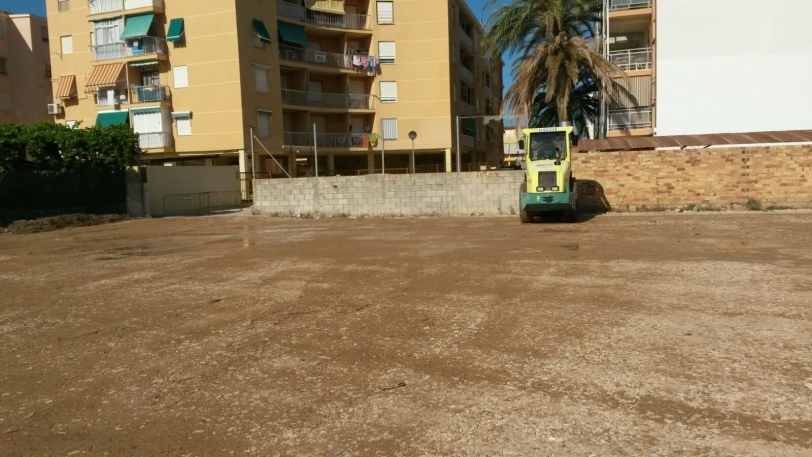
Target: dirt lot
{"points": [[622, 335]]}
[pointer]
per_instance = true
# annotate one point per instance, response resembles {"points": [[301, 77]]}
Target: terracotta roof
{"points": [[680, 141], [104, 75], [66, 87]]}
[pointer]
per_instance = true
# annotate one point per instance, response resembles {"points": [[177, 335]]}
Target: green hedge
{"points": [[56, 147]]}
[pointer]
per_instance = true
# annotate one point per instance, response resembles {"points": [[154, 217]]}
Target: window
{"points": [[181, 77], [261, 78], [386, 52], [454, 15], [389, 92], [2, 29], [5, 102], [70, 124], [184, 125], [67, 44], [43, 30], [48, 73], [389, 129], [454, 53], [386, 14], [64, 5], [454, 90], [263, 124], [2, 66]]}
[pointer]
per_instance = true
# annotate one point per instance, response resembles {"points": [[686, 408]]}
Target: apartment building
{"points": [[629, 28], [194, 78], [25, 68]]}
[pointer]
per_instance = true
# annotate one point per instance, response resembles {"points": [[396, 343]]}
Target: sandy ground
{"points": [[622, 335]]}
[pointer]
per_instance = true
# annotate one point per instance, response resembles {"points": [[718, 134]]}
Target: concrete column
{"points": [[371, 163], [331, 164]]}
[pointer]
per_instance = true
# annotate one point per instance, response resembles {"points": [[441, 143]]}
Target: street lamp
{"points": [[412, 136]]}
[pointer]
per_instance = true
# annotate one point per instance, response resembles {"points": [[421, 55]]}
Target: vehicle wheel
{"points": [[526, 217]]}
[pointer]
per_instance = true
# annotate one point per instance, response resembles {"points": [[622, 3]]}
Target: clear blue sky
{"points": [[38, 7]]}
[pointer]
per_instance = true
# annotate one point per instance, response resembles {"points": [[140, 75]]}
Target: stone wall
{"points": [[629, 180]]}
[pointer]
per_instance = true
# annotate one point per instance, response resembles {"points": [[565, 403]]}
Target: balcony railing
{"points": [[105, 6], [630, 119], [148, 94], [155, 140], [137, 47], [109, 51], [64, 5], [324, 59], [465, 39], [467, 74], [134, 4], [347, 21], [344, 101], [327, 140], [622, 5], [466, 109], [632, 59], [468, 141]]}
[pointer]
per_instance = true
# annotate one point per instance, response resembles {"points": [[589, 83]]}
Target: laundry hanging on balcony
{"points": [[137, 26], [326, 6], [108, 75]]}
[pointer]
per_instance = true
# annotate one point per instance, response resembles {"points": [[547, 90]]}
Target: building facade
{"points": [[25, 68], [196, 78], [630, 43]]}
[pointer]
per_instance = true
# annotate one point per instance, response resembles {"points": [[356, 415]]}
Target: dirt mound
{"points": [[59, 222]]}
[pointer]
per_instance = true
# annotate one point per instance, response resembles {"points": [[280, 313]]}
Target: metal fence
{"points": [[621, 5], [344, 101], [155, 140], [202, 202], [346, 21], [630, 119], [321, 58], [632, 59]]}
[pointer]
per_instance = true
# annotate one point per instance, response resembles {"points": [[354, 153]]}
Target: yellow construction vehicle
{"points": [[549, 187]]}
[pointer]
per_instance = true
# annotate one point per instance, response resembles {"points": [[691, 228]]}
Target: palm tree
{"points": [[558, 57], [583, 107]]}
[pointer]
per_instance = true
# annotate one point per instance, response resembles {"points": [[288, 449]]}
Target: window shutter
{"points": [[184, 126], [261, 78], [386, 14], [389, 129], [389, 91], [181, 77], [263, 124], [67, 44], [386, 52], [454, 53]]}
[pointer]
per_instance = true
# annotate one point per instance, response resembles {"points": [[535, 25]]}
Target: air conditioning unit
{"points": [[54, 109]]}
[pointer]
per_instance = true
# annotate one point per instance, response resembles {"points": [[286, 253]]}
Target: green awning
{"points": [[144, 63], [469, 127], [261, 31], [149, 110], [182, 114], [137, 26], [292, 33], [112, 118], [176, 30]]}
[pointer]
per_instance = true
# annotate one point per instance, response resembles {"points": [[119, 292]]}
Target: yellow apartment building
{"points": [[25, 68], [631, 45], [194, 78]]}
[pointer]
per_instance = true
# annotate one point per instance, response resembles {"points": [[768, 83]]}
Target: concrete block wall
{"points": [[628, 180], [480, 193]]}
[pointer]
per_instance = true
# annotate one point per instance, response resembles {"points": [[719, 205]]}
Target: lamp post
{"points": [[412, 136]]}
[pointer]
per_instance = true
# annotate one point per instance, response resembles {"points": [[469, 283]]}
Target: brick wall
{"points": [[629, 180], [721, 177]]}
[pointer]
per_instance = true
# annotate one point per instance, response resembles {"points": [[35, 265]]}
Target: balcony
{"points": [[155, 140], [110, 6], [466, 39], [630, 119], [149, 94], [347, 21], [327, 140], [322, 59], [624, 5], [112, 97], [466, 109], [318, 99], [140, 47], [466, 74], [632, 59]]}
